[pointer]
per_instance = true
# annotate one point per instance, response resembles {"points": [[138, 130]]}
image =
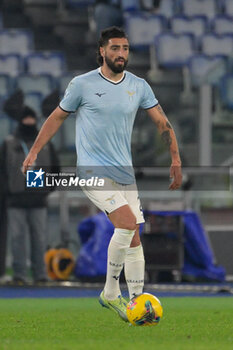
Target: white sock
{"points": [[135, 270], [117, 249]]}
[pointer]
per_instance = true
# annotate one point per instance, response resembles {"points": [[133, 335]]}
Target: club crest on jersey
{"points": [[130, 93]]}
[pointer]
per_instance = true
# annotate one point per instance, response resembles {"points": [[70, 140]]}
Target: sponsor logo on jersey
{"points": [[100, 94]]}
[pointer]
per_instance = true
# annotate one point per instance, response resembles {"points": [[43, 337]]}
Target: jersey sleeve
{"points": [[148, 99], [72, 97]]}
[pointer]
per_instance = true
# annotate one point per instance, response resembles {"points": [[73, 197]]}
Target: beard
{"points": [[115, 66]]}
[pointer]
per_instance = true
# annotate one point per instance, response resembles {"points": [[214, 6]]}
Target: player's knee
{"points": [[123, 218], [131, 226], [128, 224]]}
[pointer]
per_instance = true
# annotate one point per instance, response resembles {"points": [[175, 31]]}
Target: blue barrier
{"points": [[96, 231]]}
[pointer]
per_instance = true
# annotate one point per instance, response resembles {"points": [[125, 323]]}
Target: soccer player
{"points": [[106, 100]]}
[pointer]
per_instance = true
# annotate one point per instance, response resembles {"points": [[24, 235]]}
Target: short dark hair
{"points": [[106, 34]]}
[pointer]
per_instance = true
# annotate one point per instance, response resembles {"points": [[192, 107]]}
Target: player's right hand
{"points": [[176, 176], [28, 162]]}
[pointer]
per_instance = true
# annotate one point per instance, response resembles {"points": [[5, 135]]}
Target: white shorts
{"points": [[115, 197]]}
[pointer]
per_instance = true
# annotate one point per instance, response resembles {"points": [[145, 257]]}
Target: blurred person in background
{"points": [[107, 100], [107, 13], [26, 211]]}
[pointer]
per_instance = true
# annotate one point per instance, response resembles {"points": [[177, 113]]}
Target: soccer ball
{"points": [[144, 310]]}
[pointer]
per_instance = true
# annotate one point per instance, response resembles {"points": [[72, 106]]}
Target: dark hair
{"points": [[27, 112], [106, 34]]}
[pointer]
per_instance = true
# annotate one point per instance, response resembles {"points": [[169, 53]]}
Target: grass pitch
{"points": [[69, 324]]}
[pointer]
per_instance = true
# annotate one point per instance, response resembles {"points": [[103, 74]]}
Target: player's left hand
{"points": [[176, 176]]}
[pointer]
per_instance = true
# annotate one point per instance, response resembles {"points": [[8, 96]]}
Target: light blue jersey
{"points": [[105, 118]]}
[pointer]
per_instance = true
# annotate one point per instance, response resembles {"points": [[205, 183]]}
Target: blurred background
{"points": [[184, 49]]}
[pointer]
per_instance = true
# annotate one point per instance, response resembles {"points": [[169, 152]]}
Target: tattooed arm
{"points": [[169, 138]]}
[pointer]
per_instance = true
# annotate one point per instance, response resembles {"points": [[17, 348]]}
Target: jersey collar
{"points": [[109, 80]]}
